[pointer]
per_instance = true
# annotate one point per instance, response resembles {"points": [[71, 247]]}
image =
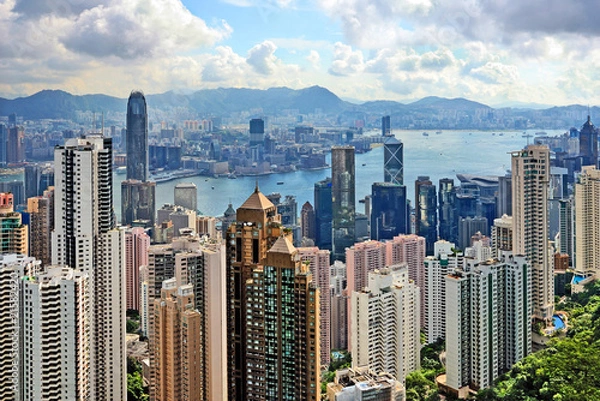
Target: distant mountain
{"points": [[434, 102], [428, 112], [59, 104]]}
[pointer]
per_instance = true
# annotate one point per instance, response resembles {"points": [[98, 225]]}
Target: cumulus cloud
{"points": [[261, 57], [346, 61], [139, 28], [314, 58]]}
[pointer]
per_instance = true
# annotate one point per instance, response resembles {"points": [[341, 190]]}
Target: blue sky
{"points": [[492, 51]]}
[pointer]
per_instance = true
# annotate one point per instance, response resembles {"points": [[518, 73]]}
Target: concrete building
{"points": [[182, 219], [361, 384], [339, 305], [138, 203], [385, 335], [282, 328], [12, 268], [488, 322], [85, 238], [206, 225], [530, 176], [434, 289], [362, 258], [409, 249], [13, 233], [185, 194], [566, 230], [308, 222], [199, 262], [343, 198], [41, 224], [587, 222], [176, 345], [502, 235], [318, 263], [56, 335], [137, 243]]}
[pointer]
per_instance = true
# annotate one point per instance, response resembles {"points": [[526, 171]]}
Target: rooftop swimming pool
{"points": [[559, 324]]}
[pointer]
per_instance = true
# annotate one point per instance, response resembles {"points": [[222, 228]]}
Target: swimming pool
{"points": [[559, 324], [578, 279]]}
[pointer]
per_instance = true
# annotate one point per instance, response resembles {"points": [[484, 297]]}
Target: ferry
{"points": [[279, 182], [425, 134]]}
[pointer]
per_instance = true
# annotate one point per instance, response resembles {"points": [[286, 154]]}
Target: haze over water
{"points": [[438, 156]]}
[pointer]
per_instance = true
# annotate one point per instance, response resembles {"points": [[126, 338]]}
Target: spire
{"points": [[256, 190]]}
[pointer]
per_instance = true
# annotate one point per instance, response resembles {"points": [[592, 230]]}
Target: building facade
{"points": [[343, 198], [530, 177]]}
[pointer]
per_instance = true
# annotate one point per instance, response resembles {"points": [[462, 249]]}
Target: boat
{"points": [[425, 134], [279, 182], [212, 187], [364, 164], [438, 132]]}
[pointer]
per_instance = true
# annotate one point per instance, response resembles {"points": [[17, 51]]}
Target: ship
{"points": [[279, 182], [425, 134]]}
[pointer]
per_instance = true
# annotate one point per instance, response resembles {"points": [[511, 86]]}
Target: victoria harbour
{"points": [[437, 155]]}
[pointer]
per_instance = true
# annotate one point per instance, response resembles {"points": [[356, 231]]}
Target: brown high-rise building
{"points": [[308, 221], [41, 224], [15, 145], [175, 344], [273, 306]]}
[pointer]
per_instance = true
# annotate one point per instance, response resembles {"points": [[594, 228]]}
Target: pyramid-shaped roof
{"points": [[257, 201], [283, 245]]}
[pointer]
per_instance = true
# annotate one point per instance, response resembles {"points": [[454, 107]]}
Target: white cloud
{"points": [[346, 61], [314, 58], [261, 57]]}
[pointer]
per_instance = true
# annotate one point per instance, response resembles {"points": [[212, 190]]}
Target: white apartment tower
{"points": [[587, 222], [12, 268], [56, 340], [502, 235], [85, 239], [530, 178], [318, 261], [488, 322], [434, 288], [386, 333]]}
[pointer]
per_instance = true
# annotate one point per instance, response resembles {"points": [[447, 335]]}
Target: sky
{"points": [[498, 52]]}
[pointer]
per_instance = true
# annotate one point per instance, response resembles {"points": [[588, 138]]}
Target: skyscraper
{"points": [[385, 335], [256, 229], [137, 137], [308, 221], [282, 312], [530, 176], [488, 324], [3, 144], [56, 342], [390, 215], [386, 126], [447, 210], [176, 345], [13, 233], [192, 260], [138, 203], [504, 198], [257, 132], [502, 235], [85, 239], [343, 198], [33, 174], [393, 161], [587, 222], [588, 144], [323, 213], [185, 194], [137, 243], [318, 263], [15, 148], [426, 211], [41, 224]]}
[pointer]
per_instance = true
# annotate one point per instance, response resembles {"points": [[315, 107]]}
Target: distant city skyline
{"points": [[389, 50]]}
